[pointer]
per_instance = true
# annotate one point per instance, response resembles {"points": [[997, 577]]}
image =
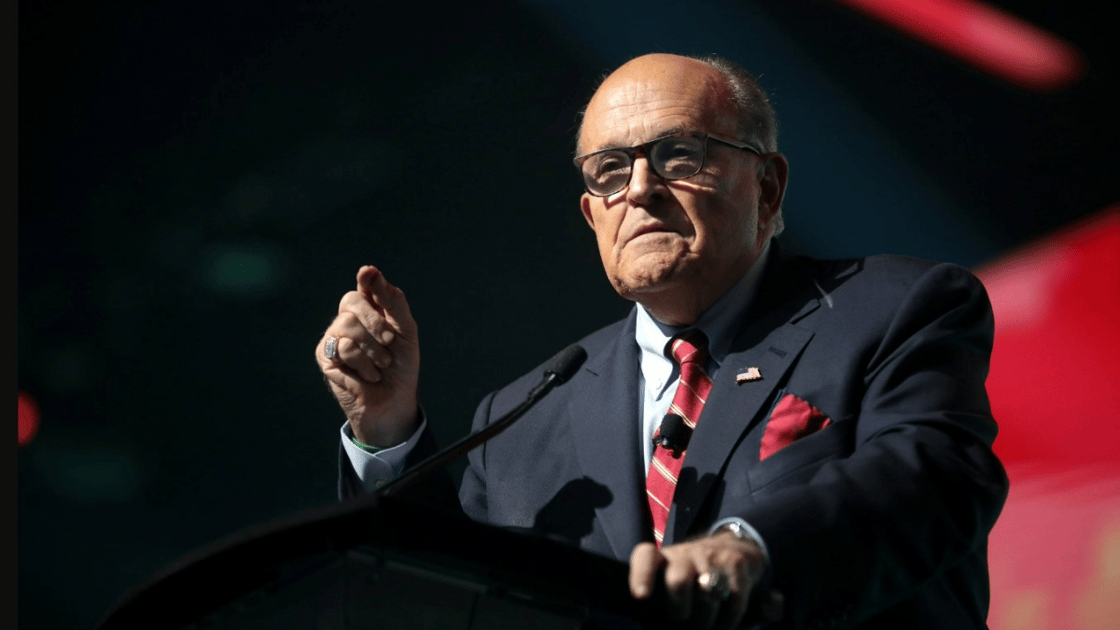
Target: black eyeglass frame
{"points": [[645, 149]]}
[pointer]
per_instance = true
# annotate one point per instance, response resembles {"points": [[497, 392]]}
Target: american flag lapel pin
{"points": [[747, 375]]}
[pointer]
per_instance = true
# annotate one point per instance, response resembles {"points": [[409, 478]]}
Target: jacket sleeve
{"points": [[472, 492], [912, 505]]}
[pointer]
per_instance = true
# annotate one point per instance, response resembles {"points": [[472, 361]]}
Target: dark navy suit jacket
{"points": [[879, 520]]}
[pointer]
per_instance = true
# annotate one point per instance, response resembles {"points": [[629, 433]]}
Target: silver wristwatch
{"points": [[736, 529]]}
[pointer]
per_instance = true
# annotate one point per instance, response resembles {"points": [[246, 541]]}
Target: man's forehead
{"points": [[654, 96]]}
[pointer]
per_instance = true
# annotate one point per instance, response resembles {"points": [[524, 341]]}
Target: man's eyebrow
{"points": [[670, 131]]}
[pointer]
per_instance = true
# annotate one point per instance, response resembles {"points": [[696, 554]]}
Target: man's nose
{"points": [[645, 184]]}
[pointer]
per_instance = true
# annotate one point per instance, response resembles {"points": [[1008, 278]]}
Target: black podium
{"points": [[378, 562]]}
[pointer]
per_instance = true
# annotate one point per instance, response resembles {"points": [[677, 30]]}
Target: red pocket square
{"points": [[791, 420]]}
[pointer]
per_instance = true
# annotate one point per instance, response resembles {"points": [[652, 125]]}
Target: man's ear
{"points": [[585, 207], [772, 185]]}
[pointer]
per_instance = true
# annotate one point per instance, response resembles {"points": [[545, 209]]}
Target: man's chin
{"points": [[636, 287]]}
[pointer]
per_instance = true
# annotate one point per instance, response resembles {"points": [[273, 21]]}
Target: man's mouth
{"points": [[650, 228]]}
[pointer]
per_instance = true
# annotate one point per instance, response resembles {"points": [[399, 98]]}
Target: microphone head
{"points": [[673, 434], [565, 364]]}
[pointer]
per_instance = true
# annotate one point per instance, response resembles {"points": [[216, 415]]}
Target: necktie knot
{"points": [[691, 346]]}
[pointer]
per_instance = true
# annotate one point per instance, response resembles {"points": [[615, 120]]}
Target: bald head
{"points": [[629, 90], [731, 83]]}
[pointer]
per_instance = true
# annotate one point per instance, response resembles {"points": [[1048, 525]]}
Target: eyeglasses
{"points": [[672, 157]]}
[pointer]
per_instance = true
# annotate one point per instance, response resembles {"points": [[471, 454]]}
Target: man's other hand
{"points": [[694, 599], [374, 366]]}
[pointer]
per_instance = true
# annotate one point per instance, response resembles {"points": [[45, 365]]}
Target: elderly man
{"points": [[759, 421]]}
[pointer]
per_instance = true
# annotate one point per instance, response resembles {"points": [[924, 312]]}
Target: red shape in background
{"points": [[1055, 378], [984, 36], [1055, 392], [28, 418]]}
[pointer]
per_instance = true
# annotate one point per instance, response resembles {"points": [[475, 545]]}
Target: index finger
{"points": [[386, 297], [645, 561]]}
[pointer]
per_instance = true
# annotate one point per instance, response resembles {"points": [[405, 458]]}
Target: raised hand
{"points": [[374, 364]]}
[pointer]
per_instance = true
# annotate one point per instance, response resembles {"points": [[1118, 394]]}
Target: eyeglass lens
{"points": [[672, 158]]}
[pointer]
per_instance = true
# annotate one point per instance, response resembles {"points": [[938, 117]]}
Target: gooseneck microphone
{"points": [[561, 368]]}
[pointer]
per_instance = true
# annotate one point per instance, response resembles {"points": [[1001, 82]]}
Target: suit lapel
{"points": [[605, 416], [771, 342]]}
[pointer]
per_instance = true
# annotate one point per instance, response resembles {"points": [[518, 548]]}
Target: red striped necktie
{"points": [[690, 350]]}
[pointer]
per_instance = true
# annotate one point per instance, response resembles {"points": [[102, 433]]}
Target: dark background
{"points": [[199, 181]]}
